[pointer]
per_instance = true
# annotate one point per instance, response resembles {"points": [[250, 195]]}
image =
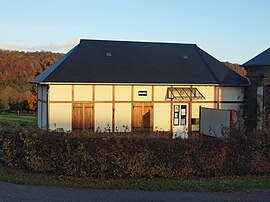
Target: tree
{"points": [[16, 70], [32, 98], [4, 105]]}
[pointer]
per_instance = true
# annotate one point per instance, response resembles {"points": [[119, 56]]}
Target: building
{"points": [[258, 96], [134, 86]]}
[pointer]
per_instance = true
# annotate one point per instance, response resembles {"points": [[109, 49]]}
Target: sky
{"points": [[229, 30]]}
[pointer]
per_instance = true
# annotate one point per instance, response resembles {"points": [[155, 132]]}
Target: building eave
{"points": [[141, 84]]}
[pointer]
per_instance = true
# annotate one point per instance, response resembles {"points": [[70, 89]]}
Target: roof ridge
{"points": [[127, 41]]}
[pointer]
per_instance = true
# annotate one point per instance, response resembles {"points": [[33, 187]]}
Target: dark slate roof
{"points": [[100, 61], [263, 59], [41, 77]]}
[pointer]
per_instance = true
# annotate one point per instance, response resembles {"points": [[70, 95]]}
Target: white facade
{"points": [[118, 108]]}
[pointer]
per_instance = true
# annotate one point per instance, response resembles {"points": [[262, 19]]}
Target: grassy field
{"points": [[228, 184], [21, 119]]}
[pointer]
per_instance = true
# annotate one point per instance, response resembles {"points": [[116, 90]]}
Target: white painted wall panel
{"points": [[161, 117], [44, 92], [40, 87], [142, 88], [209, 92], [160, 93], [232, 94], [44, 116], [83, 93], [60, 116], [196, 108], [123, 93], [60, 93], [39, 115], [123, 117], [103, 117], [103, 93]]}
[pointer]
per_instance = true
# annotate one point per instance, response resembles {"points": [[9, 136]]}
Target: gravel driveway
{"points": [[14, 192]]}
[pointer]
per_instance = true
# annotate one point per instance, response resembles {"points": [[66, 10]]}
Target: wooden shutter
{"points": [[142, 117], [77, 116], [88, 116], [82, 116], [137, 117], [148, 117]]}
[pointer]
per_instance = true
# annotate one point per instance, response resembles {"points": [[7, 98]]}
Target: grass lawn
{"points": [[24, 118], [228, 184]]}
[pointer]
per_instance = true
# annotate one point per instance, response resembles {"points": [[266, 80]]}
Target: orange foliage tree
{"points": [[17, 69]]}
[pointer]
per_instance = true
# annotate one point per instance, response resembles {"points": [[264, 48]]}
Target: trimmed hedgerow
{"points": [[87, 154]]}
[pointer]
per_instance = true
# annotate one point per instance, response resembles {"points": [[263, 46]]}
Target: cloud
{"points": [[46, 47]]}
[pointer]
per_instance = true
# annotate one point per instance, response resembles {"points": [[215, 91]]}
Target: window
{"points": [[183, 115], [176, 115], [142, 93]]}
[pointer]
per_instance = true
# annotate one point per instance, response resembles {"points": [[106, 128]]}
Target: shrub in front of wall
{"points": [[248, 153], [125, 156]]}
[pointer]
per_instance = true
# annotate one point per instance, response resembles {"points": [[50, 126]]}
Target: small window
{"points": [[185, 57], [183, 115], [142, 93], [176, 115], [108, 54]]}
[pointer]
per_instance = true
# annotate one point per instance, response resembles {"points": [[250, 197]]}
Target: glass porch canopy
{"points": [[184, 94]]}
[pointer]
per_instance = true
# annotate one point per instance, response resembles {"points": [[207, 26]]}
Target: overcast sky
{"points": [[229, 30]]}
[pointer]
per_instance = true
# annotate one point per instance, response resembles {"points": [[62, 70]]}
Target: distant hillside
{"points": [[236, 67], [16, 70]]}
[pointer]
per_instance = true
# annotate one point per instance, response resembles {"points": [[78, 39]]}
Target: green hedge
{"points": [[127, 156]]}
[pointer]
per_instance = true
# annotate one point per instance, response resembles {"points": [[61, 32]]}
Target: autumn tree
{"points": [[17, 69], [4, 105], [32, 98]]}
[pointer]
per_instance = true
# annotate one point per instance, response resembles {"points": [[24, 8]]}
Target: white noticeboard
{"points": [[214, 122]]}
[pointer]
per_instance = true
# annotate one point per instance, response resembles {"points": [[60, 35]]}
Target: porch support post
{"points": [[113, 108], [171, 113], [190, 114], [218, 89]]}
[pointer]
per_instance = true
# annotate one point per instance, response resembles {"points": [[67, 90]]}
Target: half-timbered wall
{"points": [[60, 116], [83, 93], [162, 117], [122, 117], [113, 105]]}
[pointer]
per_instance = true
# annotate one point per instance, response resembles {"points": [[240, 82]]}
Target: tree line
{"points": [[18, 68]]}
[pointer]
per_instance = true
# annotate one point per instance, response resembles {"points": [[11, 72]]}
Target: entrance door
{"points": [[82, 116], [180, 120], [142, 117]]}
